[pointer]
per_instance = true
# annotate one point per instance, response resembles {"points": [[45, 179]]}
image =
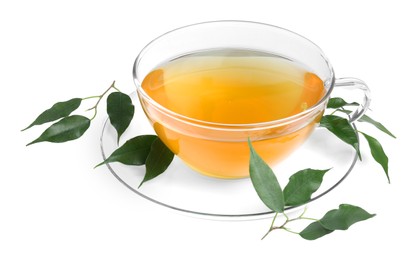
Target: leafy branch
{"points": [[145, 150], [72, 127], [298, 191], [304, 183], [343, 129]]}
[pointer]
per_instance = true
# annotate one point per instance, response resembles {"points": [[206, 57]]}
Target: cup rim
{"points": [[217, 125]]}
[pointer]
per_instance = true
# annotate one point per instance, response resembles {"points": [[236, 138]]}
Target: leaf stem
{"points": [[271, 226], [91, 97], [99, 99], [341, 109], [287, 218], [114, 87], [333, 112], [304, 211], [312, 219], [283, 226]]}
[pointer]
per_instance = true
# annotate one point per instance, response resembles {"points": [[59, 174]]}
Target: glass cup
{"points": [[221, 150]]}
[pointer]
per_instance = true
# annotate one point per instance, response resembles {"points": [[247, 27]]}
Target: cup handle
{"points": [[353, 83]]}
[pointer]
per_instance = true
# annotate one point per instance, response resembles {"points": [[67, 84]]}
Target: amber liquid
{"points": [[231, 87]]}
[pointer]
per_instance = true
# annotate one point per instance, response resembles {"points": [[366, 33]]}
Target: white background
{"points": [[53, 205]]}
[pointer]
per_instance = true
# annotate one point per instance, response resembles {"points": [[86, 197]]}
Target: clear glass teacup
{"points": [[219, 148]]}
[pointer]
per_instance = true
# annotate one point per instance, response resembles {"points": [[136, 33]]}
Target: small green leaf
{"points": [[57, 111], [342, 129], [337, 102], [157, 161], [67, 129], [343, 217], [133, 152], [302, 185], [381, 127], [314, 231], [378, 153], [369, 120], [265, 182], [120, 110]]}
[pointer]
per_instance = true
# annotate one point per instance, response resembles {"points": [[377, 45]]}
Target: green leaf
{"points": [[302, 185], [57, 111], [378, 153], [337, 219], [314, 231], [132, 152], [343, 217], [265, 182], [67, 129], [342, 129], [369, 120], [120, 110], [381, 127], [157, 161], [337, 102]]}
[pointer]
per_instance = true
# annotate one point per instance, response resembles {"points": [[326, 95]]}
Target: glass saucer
{"points": [[185, 190]]}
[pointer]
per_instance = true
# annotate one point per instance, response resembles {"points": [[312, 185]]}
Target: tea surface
{"points": [[233, 86]]}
